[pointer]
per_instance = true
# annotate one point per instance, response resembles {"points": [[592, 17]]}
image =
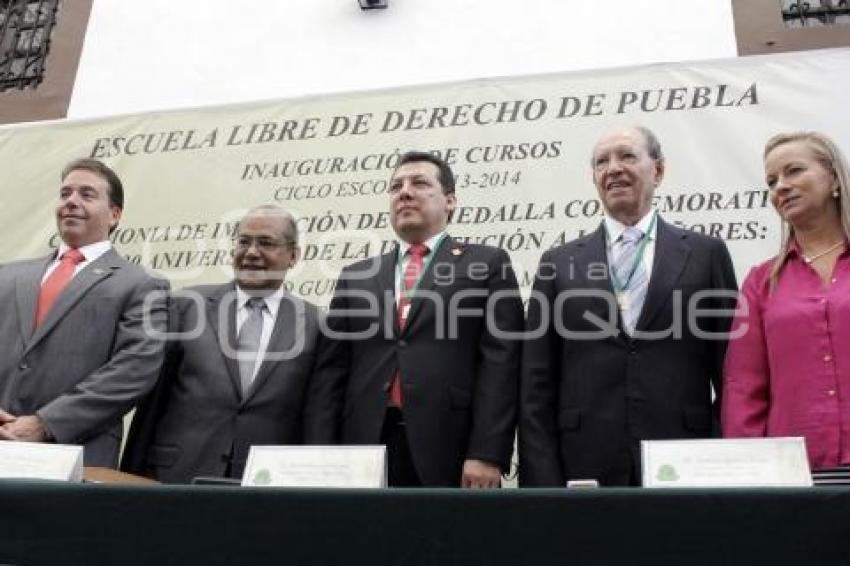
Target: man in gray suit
{"points": [[76, 336], [239, 367]]}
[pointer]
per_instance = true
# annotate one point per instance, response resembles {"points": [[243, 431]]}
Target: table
{"points": [[56, 523]]}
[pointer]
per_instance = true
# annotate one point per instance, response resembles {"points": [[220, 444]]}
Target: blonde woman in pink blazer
{"points": [[788, 373]]}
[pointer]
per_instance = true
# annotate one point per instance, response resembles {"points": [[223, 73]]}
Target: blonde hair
{"points": [[827, 153]]}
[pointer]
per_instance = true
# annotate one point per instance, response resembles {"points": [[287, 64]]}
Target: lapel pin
{"points": [[456, 251]]}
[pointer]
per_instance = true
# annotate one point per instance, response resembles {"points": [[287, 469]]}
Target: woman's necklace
{"points": [[810, 259]]}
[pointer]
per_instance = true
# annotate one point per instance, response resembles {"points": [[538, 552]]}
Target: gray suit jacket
{"points": [[92, 357], [197, 422]]}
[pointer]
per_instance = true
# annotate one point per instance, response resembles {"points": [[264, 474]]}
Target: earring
{"points": [[834, 194]]}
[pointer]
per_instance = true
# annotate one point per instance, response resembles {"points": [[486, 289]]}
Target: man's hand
{"points": [[29, 428], [6, 418], [480, 474]]}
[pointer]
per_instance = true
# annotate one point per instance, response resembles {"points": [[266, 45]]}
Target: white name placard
{"points": [[44, 461], [316, 466], [749, 462]]}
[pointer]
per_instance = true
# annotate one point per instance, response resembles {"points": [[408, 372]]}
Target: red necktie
{"points": [[417, 253], [55, 282]]}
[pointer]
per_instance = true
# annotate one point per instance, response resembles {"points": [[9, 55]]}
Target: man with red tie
{"points": [[426, 348], [81, 329]]}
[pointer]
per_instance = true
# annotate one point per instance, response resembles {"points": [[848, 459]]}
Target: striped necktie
{"points": [[633, 277]]}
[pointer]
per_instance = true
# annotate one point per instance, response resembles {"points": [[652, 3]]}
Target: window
{"points": [[804, 13], [25, 28]]}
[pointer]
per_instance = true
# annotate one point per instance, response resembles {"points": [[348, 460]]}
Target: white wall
{"points": [[153, 54]]}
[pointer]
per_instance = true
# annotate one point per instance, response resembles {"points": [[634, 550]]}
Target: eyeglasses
{"points": [[261, 243]]}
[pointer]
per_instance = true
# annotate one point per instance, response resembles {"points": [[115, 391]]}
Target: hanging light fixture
{"points": [[373, 4]]}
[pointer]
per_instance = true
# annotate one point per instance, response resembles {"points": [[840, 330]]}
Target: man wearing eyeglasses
{"points": [[238, 365]]}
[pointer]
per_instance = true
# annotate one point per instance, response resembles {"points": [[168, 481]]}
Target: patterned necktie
{"points": [[412, 271], [55, 282], [248, 342], [633, 277]]}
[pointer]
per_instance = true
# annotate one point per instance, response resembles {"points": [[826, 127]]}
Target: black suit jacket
{"points": [[197, 421], [459, 377], [587, 401]]}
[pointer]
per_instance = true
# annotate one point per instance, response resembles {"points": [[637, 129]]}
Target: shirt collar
{"points": [[90, 252], [272, 301], [794, 248], [614, 228], [430, 243]]}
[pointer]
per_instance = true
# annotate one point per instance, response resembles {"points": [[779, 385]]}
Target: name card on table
{"points": [[745, 462], [36, 460], [316, 466]]}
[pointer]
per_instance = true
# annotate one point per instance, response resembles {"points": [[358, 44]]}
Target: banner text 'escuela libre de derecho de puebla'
{"points": [[520, 148]]}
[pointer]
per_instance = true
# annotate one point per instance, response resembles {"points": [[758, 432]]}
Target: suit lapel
{"points": [[27, 288], [76, 289], [591, 265], [671, 255], [288, 322], [447, 252], [221, 316], [592, 262], [385, 282]]}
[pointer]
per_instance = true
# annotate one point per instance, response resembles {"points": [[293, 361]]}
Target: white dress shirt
{"points": [[405, 259], [90, 252]]}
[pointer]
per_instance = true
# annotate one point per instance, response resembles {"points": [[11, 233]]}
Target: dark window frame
{"points": [[26, 27], [803, 13]]}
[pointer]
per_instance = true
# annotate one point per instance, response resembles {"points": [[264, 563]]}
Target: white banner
{"points": [[520, 148]]}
